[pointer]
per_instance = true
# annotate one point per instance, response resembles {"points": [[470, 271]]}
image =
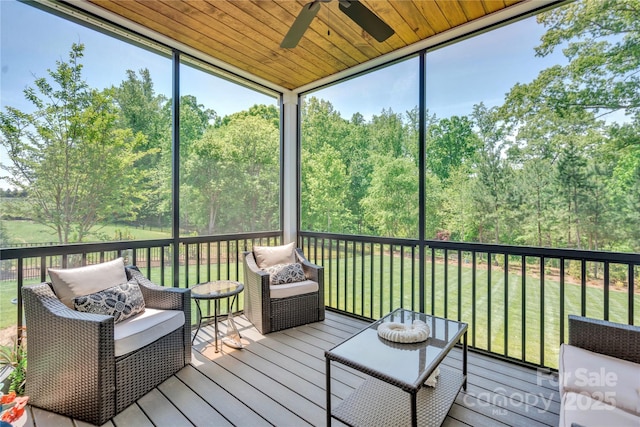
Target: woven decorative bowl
{"points": [[418, 331]]}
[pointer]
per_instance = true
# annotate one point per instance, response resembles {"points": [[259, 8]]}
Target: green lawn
{"points": [[363, 295], [371, 296], [24, 231]]}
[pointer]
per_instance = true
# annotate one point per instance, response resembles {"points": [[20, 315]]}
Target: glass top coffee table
{"points": [[217, 290], [397, 369]]}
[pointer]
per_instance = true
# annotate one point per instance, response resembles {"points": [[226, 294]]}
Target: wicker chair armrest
{"points": [[258, 278], [160, 297], [316, 273], [604, 337], [257, 294], [68, 349], [41, 300], [311, 271]]}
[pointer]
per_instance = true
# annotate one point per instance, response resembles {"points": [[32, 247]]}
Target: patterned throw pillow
{"points": [[121, 302], [280, 274]]}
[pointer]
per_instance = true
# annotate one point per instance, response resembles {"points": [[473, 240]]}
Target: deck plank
{"points": [[311, 413], [279, 379], [259, 402], [315, 355], [132, 416], [46, 418], [234, 410], [197, 410], [160, 410], [470, 417], [502, 378], [295, 363]]}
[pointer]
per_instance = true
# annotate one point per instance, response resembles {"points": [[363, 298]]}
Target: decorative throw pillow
{"points": [[280, 274], [267, 256], [121, 302], [69, 283]]}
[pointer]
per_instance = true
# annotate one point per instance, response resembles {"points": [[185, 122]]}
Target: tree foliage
{"points": [[601, 41], [547, 167], [541, 169], [231, 182], [69, 154]]}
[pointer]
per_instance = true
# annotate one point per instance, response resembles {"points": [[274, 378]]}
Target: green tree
{"points": [[142, 111], [4, 236], [536, 179], [391, 204], [623, 147], [267, 112], [195, 119], [572, 178], [450, 143], [356, 154], [434, 196], [601, 40], [70, 154], [456, 210], [231, 179], [329, 153], [388, 135], [321, 126], [324, 185], [252, 198], [492, 190]]}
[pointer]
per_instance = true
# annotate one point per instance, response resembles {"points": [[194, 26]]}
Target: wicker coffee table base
{"points": [[377, 403]]}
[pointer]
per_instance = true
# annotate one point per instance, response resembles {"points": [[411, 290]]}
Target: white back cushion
{"points": [[267, 256], [580, 409], [69, 283], [606, 378]]}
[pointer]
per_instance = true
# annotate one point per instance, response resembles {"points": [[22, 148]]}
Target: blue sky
{"points": [[479, 69], [33, 40], [482, 68]]}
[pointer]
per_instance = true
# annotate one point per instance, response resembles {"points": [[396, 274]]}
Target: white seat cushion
{"points": [[584, 411], [291, 289], [607, 378], [69, 283], [145, 328]]}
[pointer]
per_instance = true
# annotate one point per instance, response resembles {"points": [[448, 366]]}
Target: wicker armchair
{"points": [[73, 369], [274, 314], [608, 338], [599, 370]]}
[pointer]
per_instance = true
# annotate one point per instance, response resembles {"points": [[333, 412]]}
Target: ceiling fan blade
{"points": [[300, 25], [365, 18]]}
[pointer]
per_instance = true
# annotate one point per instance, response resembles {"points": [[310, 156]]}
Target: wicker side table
{"points": [[215, 291]]}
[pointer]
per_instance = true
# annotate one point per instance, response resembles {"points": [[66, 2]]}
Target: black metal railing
{"points": [[515, 299], [200, 259]]}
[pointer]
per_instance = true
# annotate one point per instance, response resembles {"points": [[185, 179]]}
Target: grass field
{"points": [[372, 295], [24, 232]]}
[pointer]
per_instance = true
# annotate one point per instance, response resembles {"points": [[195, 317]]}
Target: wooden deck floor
{"points": [[279, 379]]}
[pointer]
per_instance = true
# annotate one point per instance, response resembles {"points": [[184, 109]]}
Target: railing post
{"points": [[422, 99], [20, 283], [631, 289], [175, 167]]}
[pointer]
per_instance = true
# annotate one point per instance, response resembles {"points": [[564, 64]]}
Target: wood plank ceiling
{"points": [[247, 34]]}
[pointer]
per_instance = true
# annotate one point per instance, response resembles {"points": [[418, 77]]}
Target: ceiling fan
{"points": [[355, 10]]}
